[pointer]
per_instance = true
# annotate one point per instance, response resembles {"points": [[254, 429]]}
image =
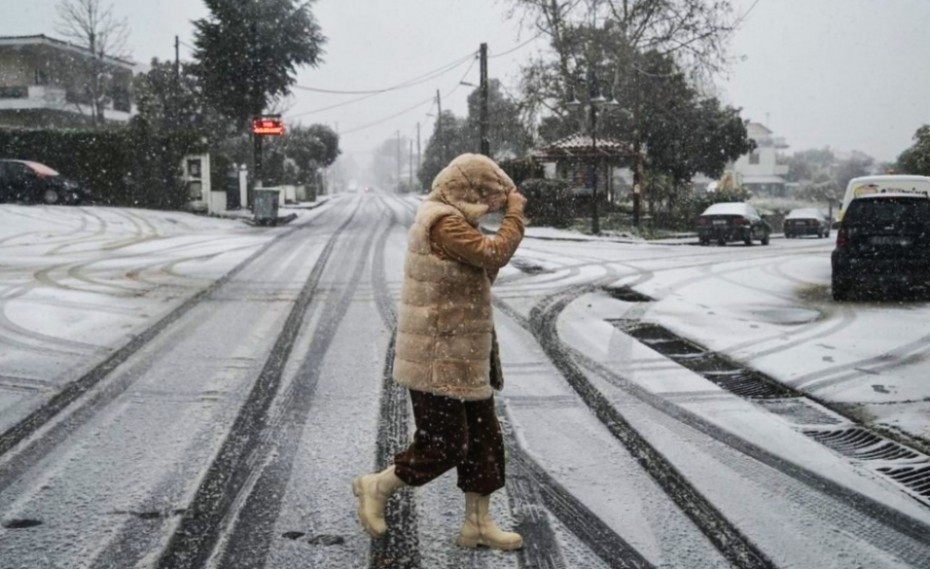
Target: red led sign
{"points": [[268, 126]]}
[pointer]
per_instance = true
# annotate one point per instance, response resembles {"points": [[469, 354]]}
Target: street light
{"points": [[596, 102]]}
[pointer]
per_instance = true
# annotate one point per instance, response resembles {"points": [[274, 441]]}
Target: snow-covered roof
{"points": [[763, 180], [805, 213], [886, 195], [729, 208], [42, 39], [580, 146]]}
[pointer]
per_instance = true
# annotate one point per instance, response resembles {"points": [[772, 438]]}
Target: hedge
{"points": [[133, 166]]}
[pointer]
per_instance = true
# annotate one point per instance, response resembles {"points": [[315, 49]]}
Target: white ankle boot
{"points": [[373, 491], [480, 529]]}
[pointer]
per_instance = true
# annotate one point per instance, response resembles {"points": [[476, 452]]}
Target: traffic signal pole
{"points": [[485, 143]]}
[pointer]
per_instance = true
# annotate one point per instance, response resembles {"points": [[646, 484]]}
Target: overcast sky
{"points": [[849, 74]]}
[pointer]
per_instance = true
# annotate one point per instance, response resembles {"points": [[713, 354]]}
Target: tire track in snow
{"points": [[85, 384], [543, 325], [726, 537], [400, 547], [196, 535], [251, 534]]}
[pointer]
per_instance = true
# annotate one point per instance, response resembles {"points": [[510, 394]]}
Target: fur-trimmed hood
{"points": [[468, 182]]}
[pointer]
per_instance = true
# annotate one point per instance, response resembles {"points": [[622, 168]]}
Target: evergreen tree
{"points": [[248, 52], [507, 134], [440, 150], [916, 159]]}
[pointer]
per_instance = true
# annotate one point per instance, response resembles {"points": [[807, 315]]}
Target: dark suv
{"points": [[883, 241], [28, 181]]}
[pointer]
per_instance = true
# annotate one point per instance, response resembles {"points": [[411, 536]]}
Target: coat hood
{"points": [[468, 182]]}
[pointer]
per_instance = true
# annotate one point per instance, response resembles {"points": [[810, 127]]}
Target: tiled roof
{"points": [[580, 146]]}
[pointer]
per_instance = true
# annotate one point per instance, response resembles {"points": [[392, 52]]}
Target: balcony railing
{"points": [[45, 97], [14, 92], [32, 97]]}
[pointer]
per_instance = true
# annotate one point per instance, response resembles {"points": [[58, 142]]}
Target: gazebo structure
{"points": [[590, 157]]}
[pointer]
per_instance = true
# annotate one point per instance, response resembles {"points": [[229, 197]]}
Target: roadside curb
{"points": [[247, 215]]}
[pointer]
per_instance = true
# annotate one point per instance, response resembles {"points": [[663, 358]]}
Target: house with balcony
{"points": [[762, 170], [45, 82]]}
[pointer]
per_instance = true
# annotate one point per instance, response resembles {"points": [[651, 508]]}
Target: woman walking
{"points": [[444, 348]]}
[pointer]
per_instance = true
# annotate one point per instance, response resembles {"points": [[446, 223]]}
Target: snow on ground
{"points": [[768, 307], [78, 282]]}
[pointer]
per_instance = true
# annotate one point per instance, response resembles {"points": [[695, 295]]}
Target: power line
{"points": [[385, 119], [409, 83], [521, 46], [742, 18], [412, 108], [373, 94]]}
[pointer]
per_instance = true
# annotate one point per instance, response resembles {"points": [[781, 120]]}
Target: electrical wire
{"points": [[521, 46], [386, 119], [431, 99], [409, 83], [364, 97], [742, 18]]}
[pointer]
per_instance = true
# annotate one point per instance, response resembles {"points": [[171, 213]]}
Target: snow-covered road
{"points": [[178, 391]]}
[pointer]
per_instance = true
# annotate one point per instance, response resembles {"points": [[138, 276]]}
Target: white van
{"points": [[890, 183]]}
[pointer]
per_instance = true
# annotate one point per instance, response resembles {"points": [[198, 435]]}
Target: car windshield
{"points": [[804, 214], [882, 212]]}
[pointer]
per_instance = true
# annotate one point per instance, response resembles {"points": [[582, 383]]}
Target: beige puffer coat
{"points": [[444, 323]]}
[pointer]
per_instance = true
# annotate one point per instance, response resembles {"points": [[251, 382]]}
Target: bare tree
{"points": [[694, 32], [587, 34], [91, 25]]}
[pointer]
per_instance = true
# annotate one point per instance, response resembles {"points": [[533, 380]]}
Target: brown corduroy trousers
{"points": [[452, 433]]}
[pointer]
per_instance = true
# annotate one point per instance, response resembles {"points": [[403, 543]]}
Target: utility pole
{"points": [[484, 143], [592, 126], [175, 103], [256, 112], [398, 162], [442, 141], [332, 184], [410, 160], [418, 148]]}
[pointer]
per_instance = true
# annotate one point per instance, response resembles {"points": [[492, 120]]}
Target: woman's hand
{"points": [[515, 201]]}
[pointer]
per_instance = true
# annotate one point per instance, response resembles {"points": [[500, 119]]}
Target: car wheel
{"points": [[50, 196], [704, 242], [840, 289], [722, 242]]}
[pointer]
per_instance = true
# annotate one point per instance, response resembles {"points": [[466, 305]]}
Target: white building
{"points": [[45, 82], [761, 171]]}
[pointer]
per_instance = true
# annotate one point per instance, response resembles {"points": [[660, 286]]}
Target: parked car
{"points": [[736, 221], [28, 181], [806, 221], [883, 241], [887, 183]]}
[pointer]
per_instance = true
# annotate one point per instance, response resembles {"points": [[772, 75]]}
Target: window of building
{"points": [[753, 157]]}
